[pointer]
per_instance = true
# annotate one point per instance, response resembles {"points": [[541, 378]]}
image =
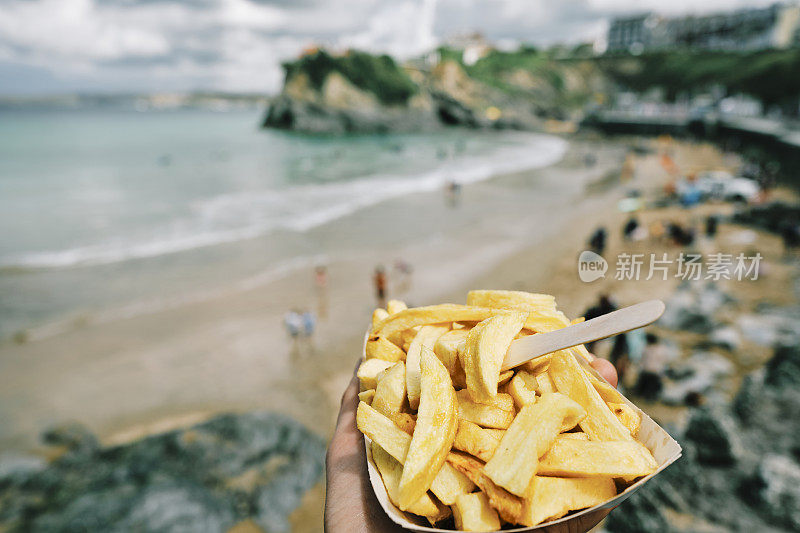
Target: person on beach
{"points": [[630, 228], [597, 242], [309, 322], [379, 280], [321, 290], [350, 503], [654, 362], [403, 270], [293, 322]]}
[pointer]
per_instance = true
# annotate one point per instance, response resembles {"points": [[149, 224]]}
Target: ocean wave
{"points": [[241, 216]]}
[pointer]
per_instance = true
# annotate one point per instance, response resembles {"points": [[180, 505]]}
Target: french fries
{"points": [[553, 497], [390, 392], [573, 457], [434, 432], [498, 414], [472, 512], [369, 370], [447, 484], [447, 347], [453, 435], [380, 348], [395, 306], [530, 435], [426, 337], [477, 441], [393, 326], [484, 351], [507, 299], [600, 423], [522, 388], [391, 470]]}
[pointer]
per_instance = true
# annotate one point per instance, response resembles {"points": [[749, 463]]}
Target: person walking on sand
{"points": [[321, 289], [379, 280], [293, 323], [309, 322], [654, 361]]}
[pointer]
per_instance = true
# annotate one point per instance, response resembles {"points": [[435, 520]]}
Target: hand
{"points": [[350, 504]]}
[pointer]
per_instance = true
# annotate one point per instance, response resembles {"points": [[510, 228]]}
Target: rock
{"points": [[726, 337], [714, 434], [682, 313], [73, 436], [776, 487], [209, 477], [15, 466], [695, 375], [783, 370]]}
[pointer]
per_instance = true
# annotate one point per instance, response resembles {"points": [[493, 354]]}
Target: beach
{"points": [[171, 366]]}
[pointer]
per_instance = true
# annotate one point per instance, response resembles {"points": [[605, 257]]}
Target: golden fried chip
{"points": [[425, 338], [382, 430], [393, 326], [571, 457], [522, 388], [404, 421], [472, 512], [395, 306], [484, 351], [447, 484], [578, 435], [390, 393], [505, 377], [505, 299], [550, 498], [508, 506], [391, 470], [366, 395], [378, 316], [380, 348], [368, 372], [627, 415], [447, 347], [545, 383], [530, 435], [477, 441], [497, 414], [608, 393], [437, 422], [600, 423]]}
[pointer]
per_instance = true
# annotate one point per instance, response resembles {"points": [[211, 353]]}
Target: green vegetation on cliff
{"points": [[379, 75]]}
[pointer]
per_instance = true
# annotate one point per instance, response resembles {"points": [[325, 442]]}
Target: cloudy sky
{"points": [[58, 46]]}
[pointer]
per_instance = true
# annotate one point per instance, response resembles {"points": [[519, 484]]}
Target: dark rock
{"points": [[783, 370], [714, 434], [776, 487], [206, 478], [73, 436]]}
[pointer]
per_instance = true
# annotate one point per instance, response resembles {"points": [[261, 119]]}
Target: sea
{"points": [[108, 212]]}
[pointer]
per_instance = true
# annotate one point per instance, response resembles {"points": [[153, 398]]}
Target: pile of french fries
{"points": [[454, 436]]}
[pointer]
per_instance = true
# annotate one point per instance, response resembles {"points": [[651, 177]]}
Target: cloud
{"points": [[238, 45]]}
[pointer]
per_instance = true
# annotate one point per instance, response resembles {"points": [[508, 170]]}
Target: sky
{"points": [[124, 46]]}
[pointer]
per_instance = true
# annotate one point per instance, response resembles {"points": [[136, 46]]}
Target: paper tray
{"points": [[664, 448]]}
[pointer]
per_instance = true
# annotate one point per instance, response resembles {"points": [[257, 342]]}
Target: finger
{"points": [[605, 369]]}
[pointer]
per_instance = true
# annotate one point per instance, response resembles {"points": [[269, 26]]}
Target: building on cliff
{"points": [[776, 26]]}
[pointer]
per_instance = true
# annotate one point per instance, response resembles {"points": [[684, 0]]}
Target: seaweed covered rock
{"points": [[254, 466]]}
